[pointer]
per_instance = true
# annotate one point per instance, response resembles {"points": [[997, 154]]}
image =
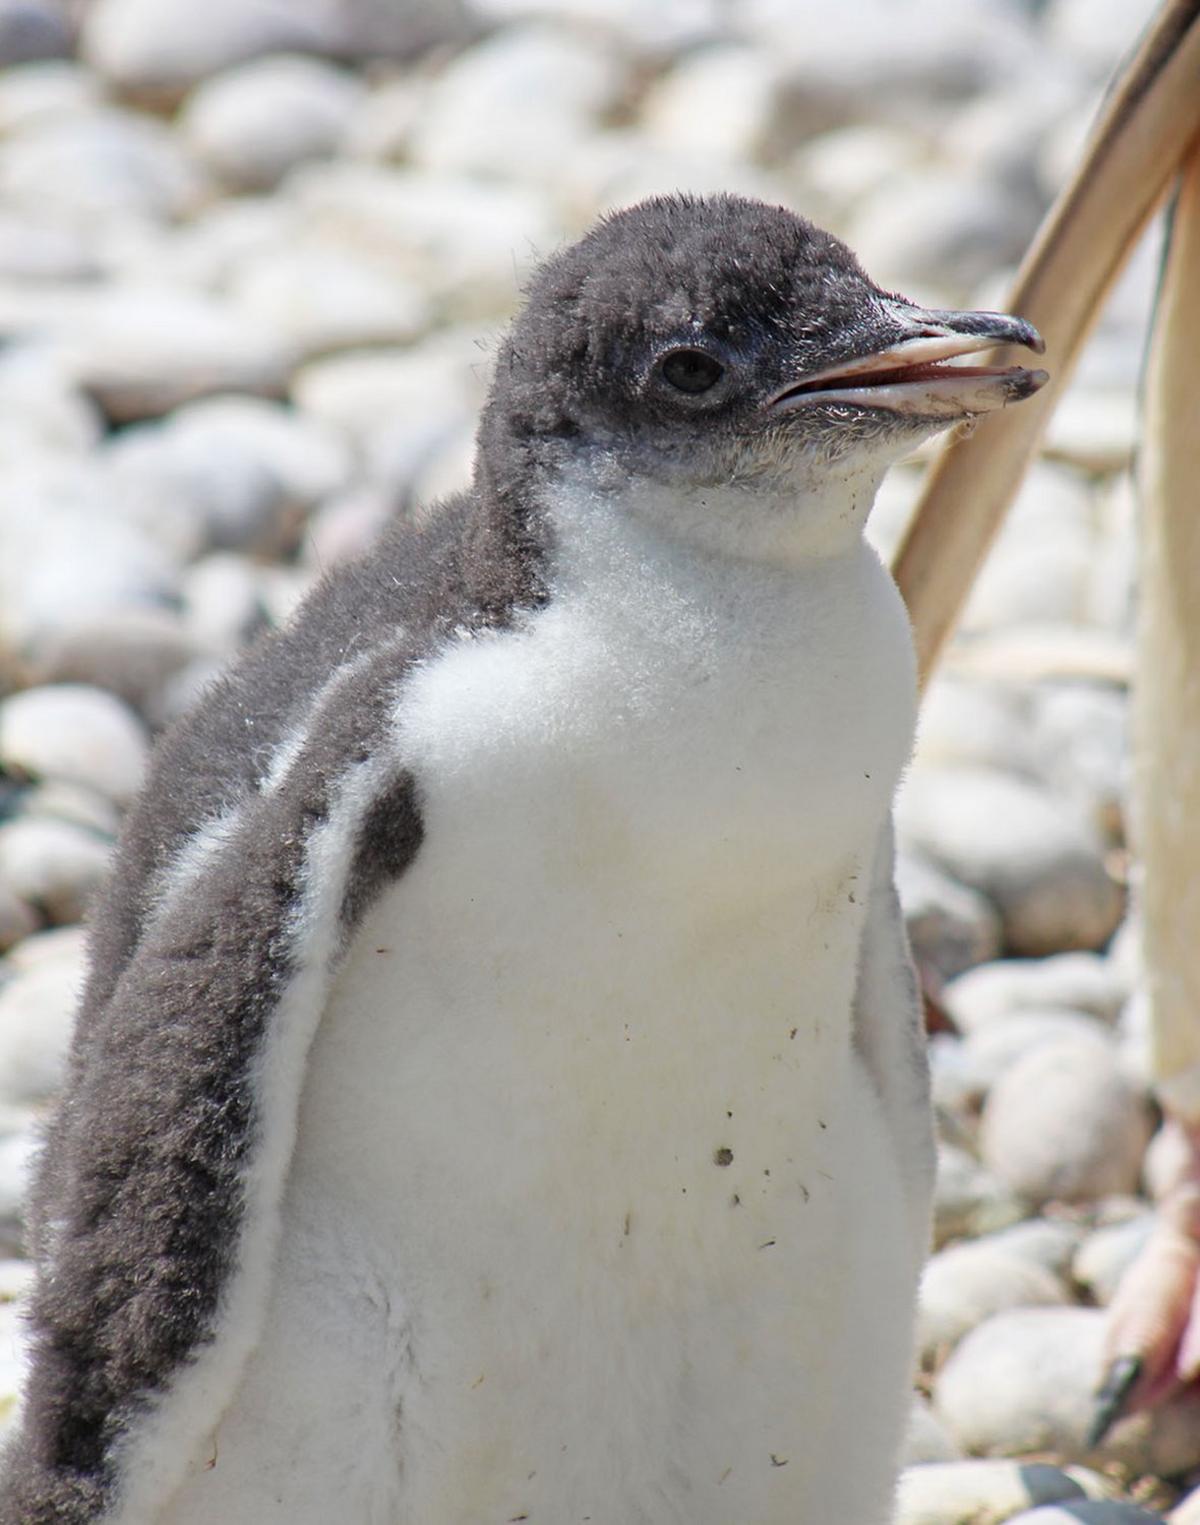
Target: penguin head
{"points": [[719, 340]]}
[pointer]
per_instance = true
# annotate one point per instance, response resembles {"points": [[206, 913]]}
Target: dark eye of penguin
{"points": [[691, 370]]}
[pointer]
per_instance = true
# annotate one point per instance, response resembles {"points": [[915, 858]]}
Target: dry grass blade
{"points": [[1167, 692], [1143, 133]]}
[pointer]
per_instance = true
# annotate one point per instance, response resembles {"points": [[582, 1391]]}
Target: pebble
{"points": [[992, 992], [1016, 843], [319, 299], [1081, 749], [222, 604], [729, 102], [1063, 1122], [107, 164], [131, 653], [969, 1199], [398, 406], [967, 1283], [16, 1159], [53, 865], [140, 351], [1024, 1382], [467, 242], [973, 724], [250, 125], [987, 1492], [1047, 1242], [950, 927], [53, 945], [516, 103], [37, 1012], [76, 732], [1089, 1512], [1107, 1253], [1094, 430], [18, 919], [39, 405], [59, 800], [32, 30], [985, 1055], [927, 1439]]}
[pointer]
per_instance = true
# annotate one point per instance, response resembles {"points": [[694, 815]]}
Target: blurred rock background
{"points": [[253, 258]]}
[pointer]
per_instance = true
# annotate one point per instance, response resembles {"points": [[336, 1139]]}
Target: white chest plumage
{"points": [[591, 1194]]}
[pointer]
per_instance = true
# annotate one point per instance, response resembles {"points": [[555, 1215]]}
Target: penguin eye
{"points": [[691, 370]]}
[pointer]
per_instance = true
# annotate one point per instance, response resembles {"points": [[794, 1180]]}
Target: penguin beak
{"points": [[915, 375]]}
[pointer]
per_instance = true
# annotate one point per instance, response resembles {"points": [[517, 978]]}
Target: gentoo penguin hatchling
{"points": [[498, 1094]]}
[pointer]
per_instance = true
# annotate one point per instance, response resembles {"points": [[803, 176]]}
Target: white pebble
{"points": [[1064, 1123], [1025, 1381], [76, 732], [252, 124], [37, 1013]]}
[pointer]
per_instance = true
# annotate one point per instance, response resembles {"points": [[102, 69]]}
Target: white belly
{"points": [[593, 1212]]}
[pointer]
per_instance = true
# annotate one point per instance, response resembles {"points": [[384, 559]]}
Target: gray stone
{"points": [[967, 1283], [516, 103], [1017, 844], [254, 123], [969, 1199], [37, 1012], [142, 350], [76, 732], [1107, 1253], [950, 927], [1083, 982], [31, 30], [1025, 1381], [987, 1492], [1064, 1123], [52, 865]]}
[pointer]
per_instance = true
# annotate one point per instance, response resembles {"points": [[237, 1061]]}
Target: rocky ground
{"points": [[252, 261]]}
